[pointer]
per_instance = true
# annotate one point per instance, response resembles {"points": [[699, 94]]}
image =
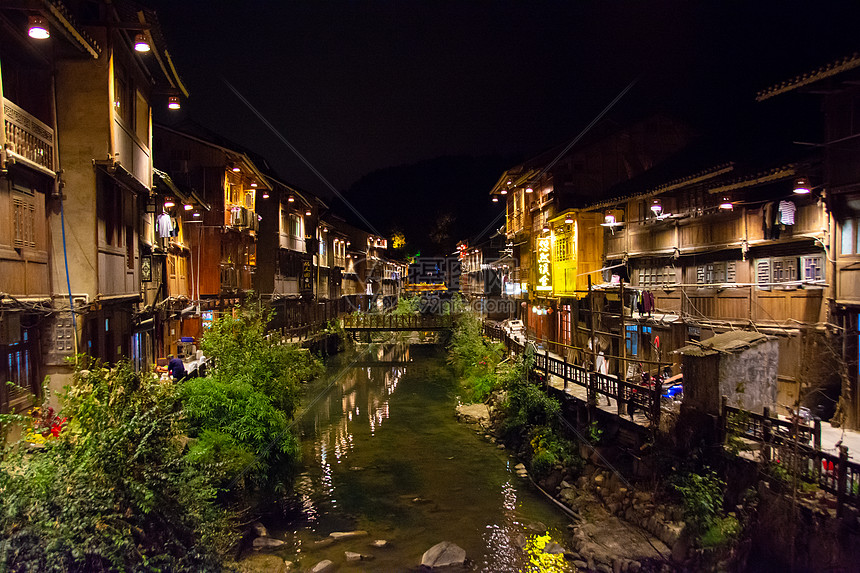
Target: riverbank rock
{"points": [[353, 556], [379, 543], [323, 566], [259, 530], [443, 554], [266, 543], [473, 414], [339, 535]]}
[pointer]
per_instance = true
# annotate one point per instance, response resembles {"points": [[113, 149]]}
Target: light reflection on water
{"points": [[384, 453]]}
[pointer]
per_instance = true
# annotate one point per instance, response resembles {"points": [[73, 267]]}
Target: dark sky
{"points": [[359, 86]]}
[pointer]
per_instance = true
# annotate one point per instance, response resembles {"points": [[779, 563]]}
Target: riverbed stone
{"points": [[537, 527], [553, 548], [323, 566], [266, 543], [379, 543], [580, 564], [262, 563], [443, 554], [339, 535], [259, 530]]}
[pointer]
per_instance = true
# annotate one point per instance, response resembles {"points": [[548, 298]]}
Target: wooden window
{"points": [[141, 118], [732, 272], [762, 273], [296, 226], [812, 267], [850, 243], [562, 248], [24, 220]]}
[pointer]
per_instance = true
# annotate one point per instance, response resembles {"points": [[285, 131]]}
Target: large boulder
{"points": [[443, 554], [266, 543]]}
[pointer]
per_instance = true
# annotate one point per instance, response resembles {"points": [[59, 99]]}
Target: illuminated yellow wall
{"points": [[577, 248]]}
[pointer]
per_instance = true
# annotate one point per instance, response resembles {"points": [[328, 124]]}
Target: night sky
{"points": [[358, 87]]}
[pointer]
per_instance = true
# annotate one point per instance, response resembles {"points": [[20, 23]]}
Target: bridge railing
{"points": [[389, 321]]}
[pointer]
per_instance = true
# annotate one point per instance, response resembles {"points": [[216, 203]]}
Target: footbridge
{"points": [[397, 322]]}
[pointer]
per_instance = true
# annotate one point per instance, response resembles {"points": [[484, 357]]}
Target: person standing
{"points": [[176, 368]]}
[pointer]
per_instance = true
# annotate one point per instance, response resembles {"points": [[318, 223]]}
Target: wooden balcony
{"points": [[28, 138]]}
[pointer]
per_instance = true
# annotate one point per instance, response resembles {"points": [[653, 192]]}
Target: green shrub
{"points": [[702, 499], [113, 491], [722, 532], [474, 359]]}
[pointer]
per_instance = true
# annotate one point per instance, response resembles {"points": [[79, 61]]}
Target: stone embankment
{"points": [[615, 527]]}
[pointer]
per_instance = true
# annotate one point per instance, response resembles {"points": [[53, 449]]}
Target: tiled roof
{"points": [[831, 69]]}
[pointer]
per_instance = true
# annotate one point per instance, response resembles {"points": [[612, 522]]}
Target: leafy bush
{"points": [[722, 532], [548, 449], [113, 490], [243, 407], [474, 358], [702, 499]]}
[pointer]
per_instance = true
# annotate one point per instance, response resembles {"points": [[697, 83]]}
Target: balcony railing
{"points": [[28, 137]]}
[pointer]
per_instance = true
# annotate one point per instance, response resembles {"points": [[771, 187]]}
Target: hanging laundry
{"points": [[163, 225], [786, 212], [767, 219]]}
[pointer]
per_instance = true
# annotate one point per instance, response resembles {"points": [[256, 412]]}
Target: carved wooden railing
{"points": [[28, 137]]}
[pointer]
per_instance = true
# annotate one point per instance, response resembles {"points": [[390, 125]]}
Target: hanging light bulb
{"points": [[236, 169], [38, 28], [609, 219], [529, 190], [308, 213], [801, 186], [290, 199], [168, 203], [141, 44], [188, 206], [504, 191], [265, 194], [495, 199], [173, 102], [726, 204], [546, 228], [568, 220], [656, 207]]}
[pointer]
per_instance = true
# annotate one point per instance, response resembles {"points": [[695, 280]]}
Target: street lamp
{"points": [[141, 44]]}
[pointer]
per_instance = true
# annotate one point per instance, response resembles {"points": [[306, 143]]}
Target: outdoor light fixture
{"points": [[253, 184], [265, 195], [504, 191], [609, 219], [348, 243], [188, 206], [168, 203], [495, 199], [726, 204], [546, 228], [236, 169], [196, 214], [801, 186], [141, 44], [568, 220], [656, 207], [308, 213], [290, 199], [173, 102], [529, 190], [38, 28]]}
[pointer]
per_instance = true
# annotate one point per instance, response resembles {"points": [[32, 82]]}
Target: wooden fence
{"points": [[626, 394], [794, 447]]}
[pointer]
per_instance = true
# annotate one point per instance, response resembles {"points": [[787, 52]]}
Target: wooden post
{"points": [[841, 479], [724, 418], [658, 393], [816, 433], [766, 437], [564, 372], [622, 375]]}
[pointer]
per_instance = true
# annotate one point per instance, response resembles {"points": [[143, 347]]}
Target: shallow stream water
{"points": [[383, 452]]}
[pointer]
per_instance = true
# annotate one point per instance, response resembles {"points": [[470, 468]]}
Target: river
{"points": [[383, 452]]}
